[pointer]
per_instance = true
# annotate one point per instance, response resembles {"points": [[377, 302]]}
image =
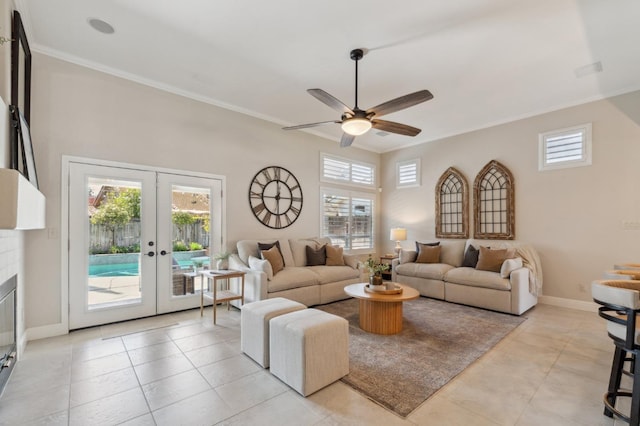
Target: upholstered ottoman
{"points": [[309, 349], [254, 325]]}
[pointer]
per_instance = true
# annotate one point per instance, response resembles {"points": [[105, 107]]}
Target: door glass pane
{"points": [[113, 213], [191, 219]]}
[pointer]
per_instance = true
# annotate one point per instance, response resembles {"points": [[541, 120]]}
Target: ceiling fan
{"points": [[355, 121]]}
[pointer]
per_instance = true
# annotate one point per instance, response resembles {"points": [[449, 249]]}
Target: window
{"points": [[494, 203], [452, 205], [347, 218], [408, 173], [563, 148], [342, 170]]}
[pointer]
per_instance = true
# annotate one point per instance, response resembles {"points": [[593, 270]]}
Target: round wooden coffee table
{"points": [[381, 313]]}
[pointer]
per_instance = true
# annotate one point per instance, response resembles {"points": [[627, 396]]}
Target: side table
{"points": [[387, 259], [225, 294]]}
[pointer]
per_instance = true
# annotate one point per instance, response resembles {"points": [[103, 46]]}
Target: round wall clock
{"points": [[275, 197]]}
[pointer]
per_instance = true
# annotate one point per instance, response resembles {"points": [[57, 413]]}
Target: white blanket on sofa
{"points": [[531, 261]]}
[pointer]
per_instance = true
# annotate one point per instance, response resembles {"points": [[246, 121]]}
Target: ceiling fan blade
{"points": [[393, 127], [346, 140], [400, 103], [329, 100], [304, 126]]}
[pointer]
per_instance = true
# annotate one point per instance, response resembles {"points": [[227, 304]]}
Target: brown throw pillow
{"points": [[428, 254], [334, 256], [275, 259], [316, 257], [267, 246], [492, 259], [418, 244]]}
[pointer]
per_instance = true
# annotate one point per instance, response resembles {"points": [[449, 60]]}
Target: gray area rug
{"points": [[438, 341]]}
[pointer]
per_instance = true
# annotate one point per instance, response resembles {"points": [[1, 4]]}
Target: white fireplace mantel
{"points": [[22, 206]]}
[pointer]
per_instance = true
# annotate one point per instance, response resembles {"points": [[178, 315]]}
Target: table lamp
{"points": [[397, 235]]}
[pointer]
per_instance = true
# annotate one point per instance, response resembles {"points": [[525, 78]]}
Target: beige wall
{"points": [[80, 112], [572, 216]]}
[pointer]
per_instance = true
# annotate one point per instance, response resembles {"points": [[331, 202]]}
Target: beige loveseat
{"points": [[310, 285], [513, 290]]}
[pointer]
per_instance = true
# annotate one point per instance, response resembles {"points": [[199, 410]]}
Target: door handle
{"points": [[151, 254], [164, 252]]}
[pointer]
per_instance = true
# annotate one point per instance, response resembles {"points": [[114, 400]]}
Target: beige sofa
{"points": [[310, 285], [514, 290]]}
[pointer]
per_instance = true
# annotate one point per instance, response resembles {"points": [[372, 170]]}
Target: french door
{"points": [[135, 237]]}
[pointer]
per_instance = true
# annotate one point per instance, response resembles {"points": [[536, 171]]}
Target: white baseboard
{"points": [[580, 305], [42, 332]]}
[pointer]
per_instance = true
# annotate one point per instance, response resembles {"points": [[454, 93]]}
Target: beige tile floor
{"points": [[178, 369]]}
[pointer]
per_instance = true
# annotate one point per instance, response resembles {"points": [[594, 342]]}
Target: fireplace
{"points": [[7, 329]]}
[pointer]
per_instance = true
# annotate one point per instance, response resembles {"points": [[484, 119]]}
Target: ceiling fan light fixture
{"points": [[356, 126]]}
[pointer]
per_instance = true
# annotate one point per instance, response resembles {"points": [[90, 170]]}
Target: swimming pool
{"points": [[114, 270], [126, 269]]}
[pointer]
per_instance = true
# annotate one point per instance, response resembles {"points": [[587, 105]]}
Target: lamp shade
{"points": [[356, 126], [398, 234]]}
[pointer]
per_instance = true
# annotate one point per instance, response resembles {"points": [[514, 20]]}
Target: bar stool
{"points": [[620, 300]]}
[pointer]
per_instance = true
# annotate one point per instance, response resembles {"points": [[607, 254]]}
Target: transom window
{"points": [[570, 147], [342, 170], [408, 173]]}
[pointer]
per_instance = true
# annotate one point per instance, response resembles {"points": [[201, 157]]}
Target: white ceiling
{"points": [[485, 61]]}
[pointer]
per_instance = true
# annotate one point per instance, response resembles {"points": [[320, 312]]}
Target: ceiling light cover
{"points": [[356, 126], [101, 26]]}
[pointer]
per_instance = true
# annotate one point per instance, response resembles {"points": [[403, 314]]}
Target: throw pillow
{"points": [[437, 243], [471, 257], [510, 265], [267, 246], [316, 257], [428, 254], [262, 265], [492, 259], [334, 255], [275, 259], [408, 256]]}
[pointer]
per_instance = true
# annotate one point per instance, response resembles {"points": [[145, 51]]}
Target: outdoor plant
{"points": [[195, 246], [180, 246]]}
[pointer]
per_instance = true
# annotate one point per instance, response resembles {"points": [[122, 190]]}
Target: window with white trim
{"points": [[570, 147], [347, 218], [345, 171], [408, 173]]}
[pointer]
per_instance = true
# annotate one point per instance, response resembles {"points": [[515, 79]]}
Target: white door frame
{"points": [[64, 215]]}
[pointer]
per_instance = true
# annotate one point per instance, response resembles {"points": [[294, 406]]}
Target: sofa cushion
{"points": [[332, 274], [274, 257], [477, 278], [316, 257], [452, 252], [248, 248], [407, 256], [293, 277], [428, 254], [434, 271], [471, 257], [492, 259], [298, 249], [262, 265], [334, 255]]}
